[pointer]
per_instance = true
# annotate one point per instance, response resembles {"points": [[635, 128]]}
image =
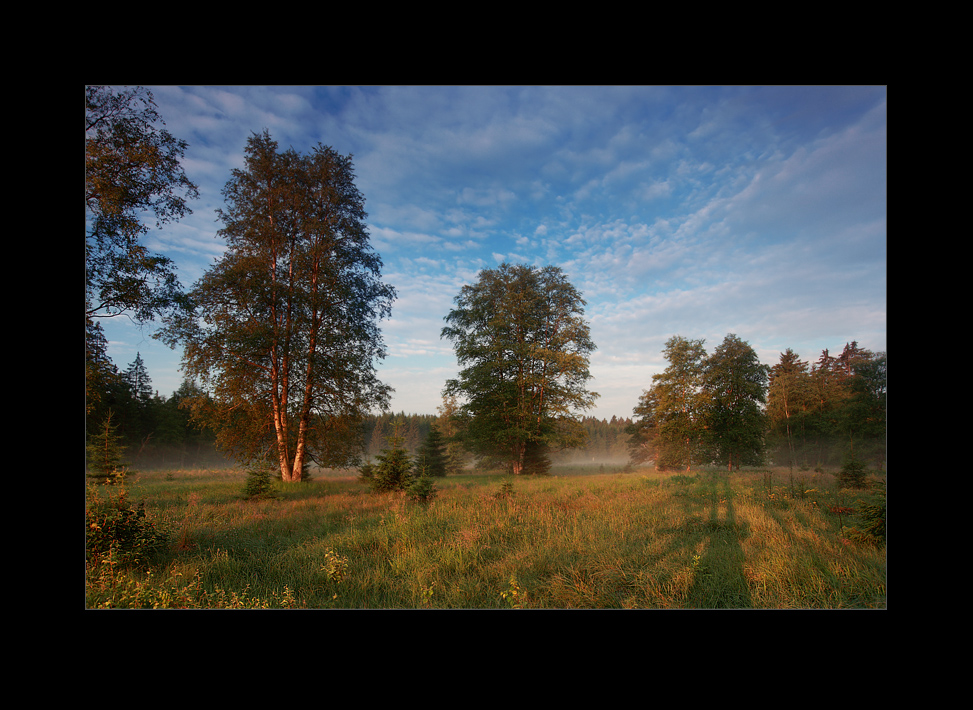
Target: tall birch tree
{"points": [[284, 337]]}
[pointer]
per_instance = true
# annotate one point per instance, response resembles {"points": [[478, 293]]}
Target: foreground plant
{"points": [[120, 533], [129, 592]]}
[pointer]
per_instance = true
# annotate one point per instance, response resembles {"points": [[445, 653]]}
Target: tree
{"points": [[787, 402], [132, 169], [284, 331], [431, 458], [523, 348], [448, 423], [105, 450], [673, 409], [393, 469], [100, 374], [643, 432], [735, 387], [863, 415]]}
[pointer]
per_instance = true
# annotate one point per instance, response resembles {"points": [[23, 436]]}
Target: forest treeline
{"points": [[815, 413], [156, 432]]}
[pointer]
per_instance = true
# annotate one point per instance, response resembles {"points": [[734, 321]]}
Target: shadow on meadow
{"points": [[713, 536]]}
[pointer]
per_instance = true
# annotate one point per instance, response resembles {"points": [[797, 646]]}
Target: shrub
{"points": [[421, 489], [115, 529], [393, 472], [852, 474], [506, 490], [259, 484]]}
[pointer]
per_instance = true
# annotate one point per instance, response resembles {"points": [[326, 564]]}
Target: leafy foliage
{"points": [[818, 413], [671, 413], [132, 169], [735, 383], [284, 332], [118, 532], [523, 348]]}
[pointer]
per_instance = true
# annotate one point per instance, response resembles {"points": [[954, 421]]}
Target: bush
{"points": [[259, 484], [421, 489], [117, 530], [852, 474]]}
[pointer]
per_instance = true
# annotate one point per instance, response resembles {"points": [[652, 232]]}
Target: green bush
{"points": [[393, 472], [115, 528], [421, 489], [259, 484], [852, 474]]}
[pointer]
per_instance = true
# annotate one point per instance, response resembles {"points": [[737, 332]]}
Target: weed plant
{"points": [[604, 540]]}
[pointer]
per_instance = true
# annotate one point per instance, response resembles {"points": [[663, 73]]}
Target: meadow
{"points": [[595, 537]]}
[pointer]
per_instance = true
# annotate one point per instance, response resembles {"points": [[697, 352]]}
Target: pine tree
{"points": [[105, 451], [393, 469], [431, 458]]}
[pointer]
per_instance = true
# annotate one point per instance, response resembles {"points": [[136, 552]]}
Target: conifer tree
{"points": [[431, 457], [105, 450], [393, 469]]}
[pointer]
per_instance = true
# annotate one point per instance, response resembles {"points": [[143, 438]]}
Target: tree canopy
{"points": [[822, 411], [132, 170], [729, 408], [284, 334], [672, 412], [735, 383], [523, 347]]}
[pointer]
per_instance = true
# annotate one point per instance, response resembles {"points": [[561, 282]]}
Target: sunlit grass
{"points": [[606, 540]]}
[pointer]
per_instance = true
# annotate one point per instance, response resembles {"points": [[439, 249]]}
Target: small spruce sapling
{"points": [[105, 452]]}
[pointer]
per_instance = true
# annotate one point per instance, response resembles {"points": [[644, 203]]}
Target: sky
{"points": [[696, 211]]}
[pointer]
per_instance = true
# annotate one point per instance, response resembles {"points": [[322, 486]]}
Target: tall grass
{"points": [[605, 540]]}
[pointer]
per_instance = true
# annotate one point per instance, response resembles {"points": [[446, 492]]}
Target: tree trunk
{"points": [[517, 460]]}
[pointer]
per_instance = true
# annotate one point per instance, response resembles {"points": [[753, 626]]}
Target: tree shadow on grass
{"points": [[719, 581]]}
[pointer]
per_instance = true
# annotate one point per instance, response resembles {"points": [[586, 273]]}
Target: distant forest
{"points": [[157, 433]]}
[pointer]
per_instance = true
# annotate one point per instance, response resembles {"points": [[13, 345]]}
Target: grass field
{"points": [[583, 538]]}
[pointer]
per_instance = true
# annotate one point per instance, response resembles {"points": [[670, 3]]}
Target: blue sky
{"points": [[694, 211]]}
